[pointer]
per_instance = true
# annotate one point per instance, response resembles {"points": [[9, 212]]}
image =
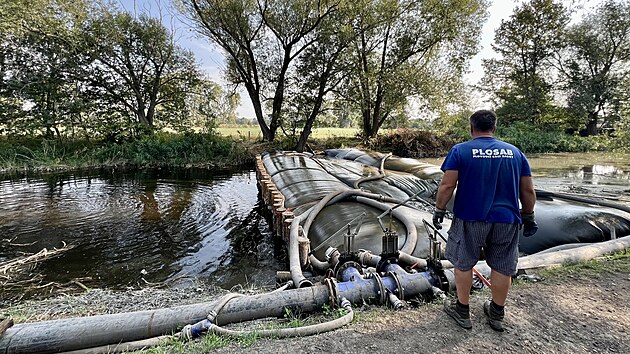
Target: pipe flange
{"points": [[399, 287], [332, 291], [345, 265], [381, 288], [386, 260]]}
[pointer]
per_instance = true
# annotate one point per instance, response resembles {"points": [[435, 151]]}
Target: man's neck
{"points": [[476, 135]]}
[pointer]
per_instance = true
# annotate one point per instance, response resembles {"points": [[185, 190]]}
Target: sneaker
{"points": [[462, 317], [495, 320]]}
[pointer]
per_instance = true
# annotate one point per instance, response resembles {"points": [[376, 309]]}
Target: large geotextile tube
{"points": [[412, 234], [294, 253], [370, 199], [381, 173], [93, 331]]}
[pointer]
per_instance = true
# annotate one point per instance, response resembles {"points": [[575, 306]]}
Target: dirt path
{"points": [[571, 314], [585, 309]]}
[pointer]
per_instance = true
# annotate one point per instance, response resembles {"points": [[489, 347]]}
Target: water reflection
{"points": [[590, 172], [152, 225]]}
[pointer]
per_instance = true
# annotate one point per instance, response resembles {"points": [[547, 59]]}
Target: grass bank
{"points": [[235, 146], [156, 150]]}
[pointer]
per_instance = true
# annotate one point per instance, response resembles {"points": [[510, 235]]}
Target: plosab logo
{"points": [[492, 153]]}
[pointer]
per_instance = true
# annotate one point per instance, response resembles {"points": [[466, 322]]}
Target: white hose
{"points": [[292, 332]]}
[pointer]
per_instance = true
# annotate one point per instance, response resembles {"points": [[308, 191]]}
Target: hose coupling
{"points": [[345, 303], [212, 315], [438, 293], [394, 301], [190, 332], [186, 333], [331, 252]]}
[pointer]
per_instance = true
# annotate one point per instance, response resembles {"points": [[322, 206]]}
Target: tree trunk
{"points": [[367, 122], [253, 95], [278, 98], [591, 126], [308, 127], [306, 132]]}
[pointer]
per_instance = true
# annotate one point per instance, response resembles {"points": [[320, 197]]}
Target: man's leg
{"points": [[494, 308], [460, 310], [500, 287], [463, 249], [463, 282], [502, 257]]}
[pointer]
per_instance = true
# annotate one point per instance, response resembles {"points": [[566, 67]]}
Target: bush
{"points": [[155, 149], [413, 143], [175, 149], [535, 140]]}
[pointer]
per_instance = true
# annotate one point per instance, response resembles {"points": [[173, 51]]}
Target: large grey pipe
{"points": [[575, 198], [86, 332], [568, 256]]}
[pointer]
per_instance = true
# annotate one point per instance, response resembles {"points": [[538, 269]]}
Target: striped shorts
{"points": [[499, 242]]}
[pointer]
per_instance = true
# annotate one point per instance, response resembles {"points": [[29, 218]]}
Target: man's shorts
{"points": [[499, 243]]}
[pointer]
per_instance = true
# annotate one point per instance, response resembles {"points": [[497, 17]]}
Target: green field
{"points": [[253, 132]]}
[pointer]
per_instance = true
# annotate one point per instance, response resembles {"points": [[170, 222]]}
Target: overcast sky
{"points": [[211, 59]]}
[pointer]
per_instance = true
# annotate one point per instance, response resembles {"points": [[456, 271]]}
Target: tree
{"points": [[261, 40], [320, 70], [133, 66], [397, 48], [37, 47], [41, 79], [211, 105], [596, 63], [525, 42]]}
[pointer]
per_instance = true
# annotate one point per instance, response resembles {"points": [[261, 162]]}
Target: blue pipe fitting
{"points": [[193, 331], [351, 274]]}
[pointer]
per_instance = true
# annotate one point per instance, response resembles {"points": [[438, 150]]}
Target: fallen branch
{"points": [[9, 242], [22, 263]]}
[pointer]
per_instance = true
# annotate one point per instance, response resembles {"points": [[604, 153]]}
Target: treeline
{"points": [[88, 69], [368, 60], [552, 72]]}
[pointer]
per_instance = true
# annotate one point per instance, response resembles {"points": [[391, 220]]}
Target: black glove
{"points": [[438, 217], [529, 224]]}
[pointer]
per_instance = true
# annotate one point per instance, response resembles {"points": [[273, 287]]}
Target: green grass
{"points": [[246, 133], [202, 345], [601, 266]]}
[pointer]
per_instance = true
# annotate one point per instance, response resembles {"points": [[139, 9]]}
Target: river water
{"points": [[139, 227], [132, 228]]}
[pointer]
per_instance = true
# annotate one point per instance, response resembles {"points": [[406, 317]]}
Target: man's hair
{"points": [[483, 120]]}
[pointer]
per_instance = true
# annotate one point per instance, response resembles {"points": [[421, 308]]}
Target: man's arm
{"points": [[527, 195], [446, 188]]}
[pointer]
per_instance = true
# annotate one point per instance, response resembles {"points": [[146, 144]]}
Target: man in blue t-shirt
{"points": [[491, 177]]}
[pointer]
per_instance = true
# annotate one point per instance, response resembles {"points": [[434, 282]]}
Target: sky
{"points": [[211, 60]]}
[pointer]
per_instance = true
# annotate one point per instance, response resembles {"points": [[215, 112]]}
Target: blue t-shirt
{"points": [[489, 175]]}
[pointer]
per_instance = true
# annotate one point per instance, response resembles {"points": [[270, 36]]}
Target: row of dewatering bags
{"points": [[304, 179]]}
